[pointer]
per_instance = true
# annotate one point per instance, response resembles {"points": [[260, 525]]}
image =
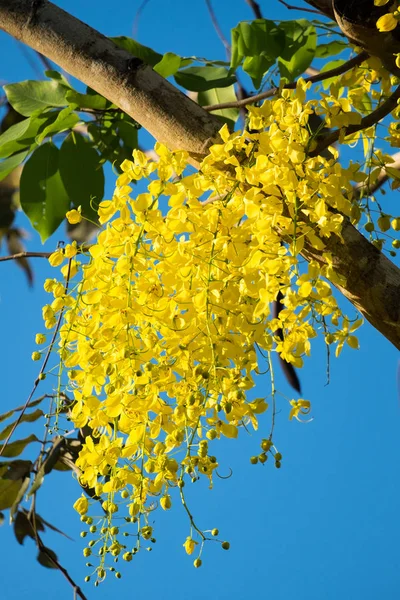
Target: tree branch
{"points": [[372, 281], [353, 62], [166, 113], [255, 7], [323, 6], [374, 117]]}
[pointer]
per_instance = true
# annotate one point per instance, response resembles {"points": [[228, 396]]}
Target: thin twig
{"points": [[42, 548], [137, 17], [42, 369], [26, 255], [218, 29], [309, 10], [255, 7], [353, 62], [374, 117], [80, 250]]}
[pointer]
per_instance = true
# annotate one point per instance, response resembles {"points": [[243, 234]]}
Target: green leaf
{"points": [[24, 486], [260, 37], [331, 49], [93, 101], [81, 174], [15, 448], [327, 67], [200, 79], [43, 196], [145, 53], [168, 65], [10, 139], [43, 523], [299, 51], [31, 404], [44, 558], [219, 96], [128, 133], [57, 76], [47, 465], [256, 67], [29, 96], [22, 136], [22, 527], [66, 119], [12, 476], [26, 418], [8, 492], [9, 164]]}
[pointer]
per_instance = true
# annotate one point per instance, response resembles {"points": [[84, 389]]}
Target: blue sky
{"points": [[326, 525]]}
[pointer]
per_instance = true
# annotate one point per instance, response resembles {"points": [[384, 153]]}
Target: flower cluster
{"points": [[170, 320]]}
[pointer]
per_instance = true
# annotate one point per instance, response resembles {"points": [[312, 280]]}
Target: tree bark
{"points": [[166, 113], [372, 281]]}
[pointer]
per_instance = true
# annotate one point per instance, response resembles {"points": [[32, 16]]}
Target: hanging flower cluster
{"points": [[170, 321]]}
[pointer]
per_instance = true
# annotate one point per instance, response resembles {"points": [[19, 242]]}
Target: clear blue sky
{"points": [[326, 525]]}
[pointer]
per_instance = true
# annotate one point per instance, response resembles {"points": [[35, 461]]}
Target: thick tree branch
{"points": [[372, 281], [158, 106]]}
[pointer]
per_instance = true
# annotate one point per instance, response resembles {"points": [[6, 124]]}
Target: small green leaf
{"points": [[15, 448], [24, 486], [57, 76], [93, 101], [65, 120], [47, 465], [256, 67], [331, 49], [26, 418], [82, 174], [9, 164], [260, 37], [128, 133], [44, 558], [149, 56], [22, 527], [200, 79], [31, 404], [29, 96], [8, 492], [168, 65], [327, 67], [43, 196], [220, 96], [299, 51]]}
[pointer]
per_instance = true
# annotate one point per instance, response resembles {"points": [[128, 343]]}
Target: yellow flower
{"points": [[165, 502], [36, 356], [381, 2], [301, 407], [387, 22], [190, 545], [74, 216], [40, 338], [81, 505], [56, 258]]}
